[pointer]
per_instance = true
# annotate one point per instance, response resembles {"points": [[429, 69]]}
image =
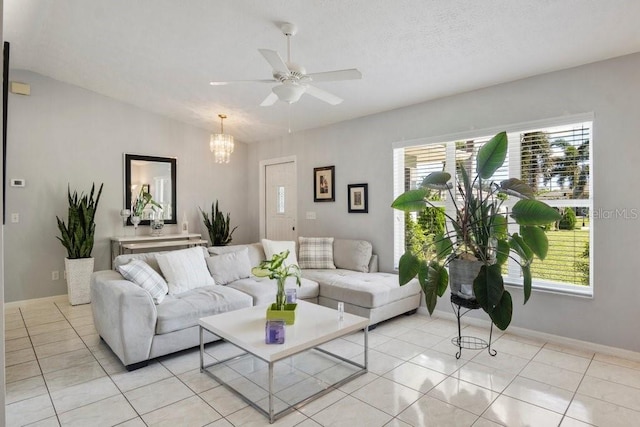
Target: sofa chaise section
{"points": [[374, 295], [356, 281]]}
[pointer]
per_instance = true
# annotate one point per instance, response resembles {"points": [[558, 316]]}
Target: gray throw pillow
{"points": [[229, 267], [256, 253], [352, 254]]}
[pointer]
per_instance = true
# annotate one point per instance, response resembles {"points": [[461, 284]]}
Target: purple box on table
{"points": [[274, 332], [291, 296]]}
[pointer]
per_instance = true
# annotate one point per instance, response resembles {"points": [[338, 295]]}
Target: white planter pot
{"points": [[78, 279]]}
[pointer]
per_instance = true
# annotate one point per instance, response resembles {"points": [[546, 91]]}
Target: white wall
{"points": [[361, 151], [63, 134]]}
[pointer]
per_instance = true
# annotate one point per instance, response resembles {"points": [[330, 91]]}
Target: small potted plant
{"points": [[139, 205], [77, 236], [478, 243], [276, 269], [219, 226]]}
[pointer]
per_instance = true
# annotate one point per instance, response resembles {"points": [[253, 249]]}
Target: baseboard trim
{"points": [[555, 339], [35, 301]]}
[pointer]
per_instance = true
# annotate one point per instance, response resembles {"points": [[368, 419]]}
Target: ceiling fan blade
{"points": [[274, 59], [324, 95], [269, 100], [242, 81], [332, 76]]}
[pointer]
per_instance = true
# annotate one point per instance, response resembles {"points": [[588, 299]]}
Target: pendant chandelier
{"points": [[221, 144]]}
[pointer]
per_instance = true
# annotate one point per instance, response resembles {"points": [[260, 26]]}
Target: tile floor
{"points": [[59, 373]]}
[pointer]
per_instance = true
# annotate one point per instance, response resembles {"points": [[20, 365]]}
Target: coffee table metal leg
{"points": [[201, 349], [366, 348], [271, 413]]}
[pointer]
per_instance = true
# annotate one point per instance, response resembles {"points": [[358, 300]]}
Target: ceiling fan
{"points": [[293, 78]]}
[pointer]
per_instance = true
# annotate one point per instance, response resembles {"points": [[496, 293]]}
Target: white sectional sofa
{"points": [[138, 329]]}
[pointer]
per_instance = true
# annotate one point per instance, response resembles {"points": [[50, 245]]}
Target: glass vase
{"points": [[124, 214], [157, 224], [135, 220]]}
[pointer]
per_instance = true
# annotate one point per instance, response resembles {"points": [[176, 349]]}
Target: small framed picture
{"points": [[358, 198], [324, 184]]}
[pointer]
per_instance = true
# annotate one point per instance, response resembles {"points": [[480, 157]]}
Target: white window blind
{"points": [[555, 161]]}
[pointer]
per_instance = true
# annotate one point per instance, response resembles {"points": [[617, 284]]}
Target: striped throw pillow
{"points": [[316, 252], [184, 270], [140, 273]]}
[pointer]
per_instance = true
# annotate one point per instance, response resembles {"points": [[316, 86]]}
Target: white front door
{"points": [[280, 201]]}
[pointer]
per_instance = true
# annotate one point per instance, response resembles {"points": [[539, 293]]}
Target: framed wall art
{"points": [[358, 195], [324, 186]]}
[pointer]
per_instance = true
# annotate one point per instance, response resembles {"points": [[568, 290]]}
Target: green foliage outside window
{"points": [[583, 264], [568, 220], [419, 234]]}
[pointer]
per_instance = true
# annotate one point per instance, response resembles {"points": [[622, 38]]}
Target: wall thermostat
{"points": [[20, 88], [17, 182]]}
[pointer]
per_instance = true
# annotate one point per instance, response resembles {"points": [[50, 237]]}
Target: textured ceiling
{"points": [[161, 54]]}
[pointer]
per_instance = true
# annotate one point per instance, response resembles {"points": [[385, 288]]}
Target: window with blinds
{"points": [[554, 161]]}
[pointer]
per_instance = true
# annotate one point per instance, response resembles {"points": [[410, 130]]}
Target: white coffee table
{"points": [[314, 325]]}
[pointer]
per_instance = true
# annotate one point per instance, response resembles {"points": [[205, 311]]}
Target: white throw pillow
{"points": [[229, 267], [316, 252], [184, 270], [274, 247], [140, 273]]}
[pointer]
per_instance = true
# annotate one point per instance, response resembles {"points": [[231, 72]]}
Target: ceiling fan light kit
{"points": [[288, 92], [293, 78]]}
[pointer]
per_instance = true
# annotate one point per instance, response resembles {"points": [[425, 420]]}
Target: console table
{"points": [[129, 244]]}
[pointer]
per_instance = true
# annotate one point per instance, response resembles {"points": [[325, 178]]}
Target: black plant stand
{"points": [[470, 343]]}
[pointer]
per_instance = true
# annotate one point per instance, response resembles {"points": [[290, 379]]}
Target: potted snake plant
{"points": [[219, 226], [477, 243], [77, 236]]}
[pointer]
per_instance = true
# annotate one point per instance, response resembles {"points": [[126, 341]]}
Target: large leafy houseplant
{"points": [[277, 269], [219, 226], [479, 231], [77, 235]]}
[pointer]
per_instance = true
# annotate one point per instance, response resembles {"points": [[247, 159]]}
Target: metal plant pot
{"points": [[462, 273]]}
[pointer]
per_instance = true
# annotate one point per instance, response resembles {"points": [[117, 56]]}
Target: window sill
{"points": [[554, 288], [548, 287]]}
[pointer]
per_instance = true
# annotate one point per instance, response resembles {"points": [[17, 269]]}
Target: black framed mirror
{"points": [[158, 177]]}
